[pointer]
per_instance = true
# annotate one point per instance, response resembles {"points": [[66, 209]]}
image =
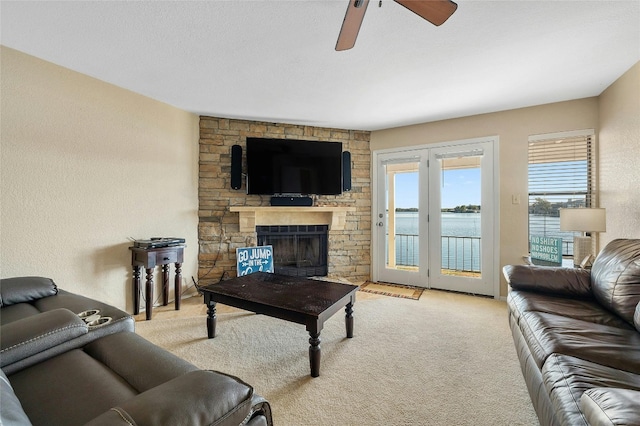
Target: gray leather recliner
{"points": [[59, 369]]}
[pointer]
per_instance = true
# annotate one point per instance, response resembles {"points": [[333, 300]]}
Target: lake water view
{"points": [[461, 238], [453, 224], [460, 242]]}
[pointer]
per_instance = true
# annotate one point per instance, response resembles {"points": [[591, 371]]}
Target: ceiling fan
{"points": [[434, 11]]}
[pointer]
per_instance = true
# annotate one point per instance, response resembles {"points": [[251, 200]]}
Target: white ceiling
{"points": [[274, 60]]}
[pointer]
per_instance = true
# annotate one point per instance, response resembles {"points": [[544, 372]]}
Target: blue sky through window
{"points": [[461, 187]]}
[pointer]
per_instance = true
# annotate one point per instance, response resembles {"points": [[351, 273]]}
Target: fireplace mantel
{"points": [[335, 217]]}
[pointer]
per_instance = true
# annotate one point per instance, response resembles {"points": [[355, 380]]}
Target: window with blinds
{"points": [[561, 175]]}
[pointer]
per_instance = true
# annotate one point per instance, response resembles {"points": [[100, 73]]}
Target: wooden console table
{"points": [[150, 258]]}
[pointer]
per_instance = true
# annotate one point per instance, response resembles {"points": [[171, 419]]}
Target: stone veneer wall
{"points": [[218, 229]]}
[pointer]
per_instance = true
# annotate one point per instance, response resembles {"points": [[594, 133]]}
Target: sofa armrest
{"points": [[260, 412], [196, 398], [611, 406], [11, 412], [37, 333], [25, 289], [574, 282]]}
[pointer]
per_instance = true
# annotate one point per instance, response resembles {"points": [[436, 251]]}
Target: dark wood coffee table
{"points": [[296, 299]]}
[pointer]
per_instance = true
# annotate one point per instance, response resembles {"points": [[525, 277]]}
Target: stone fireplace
{"points": [[229, 218], [299, 235], [298, 250]]}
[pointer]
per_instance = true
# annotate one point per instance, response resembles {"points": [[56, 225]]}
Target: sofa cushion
{"points": [[25, 289], [636, 317], [138, 361], [611, 407], [195, 398], [77, 304], [32, 335], [11, 412], [63, 299], [547, 334], [567, 378], [83, 388], [615, 277], [585, 310], [17, 312]]}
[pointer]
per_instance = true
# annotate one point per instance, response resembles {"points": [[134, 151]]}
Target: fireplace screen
{"points": [[298, 250]]}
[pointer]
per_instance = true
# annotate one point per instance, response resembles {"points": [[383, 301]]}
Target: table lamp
{"points": [[585, 220]]}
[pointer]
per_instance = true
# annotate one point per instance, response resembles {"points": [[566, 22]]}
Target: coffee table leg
{"points": [[348, 319], [211, 319], [314, 353]]}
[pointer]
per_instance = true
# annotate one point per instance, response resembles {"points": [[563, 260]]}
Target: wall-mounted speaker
{"points": [[346, 171], [236, 167]]}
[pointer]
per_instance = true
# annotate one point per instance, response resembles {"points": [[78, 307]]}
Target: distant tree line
{"points": [[539, 206], [544, 207], [469, 208]]}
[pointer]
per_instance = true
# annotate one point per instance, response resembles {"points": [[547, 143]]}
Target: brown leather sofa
{"points": [[62, 367], [577, 335]]}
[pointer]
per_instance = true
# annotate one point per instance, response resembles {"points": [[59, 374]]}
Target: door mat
{"points": [[394, 290]]}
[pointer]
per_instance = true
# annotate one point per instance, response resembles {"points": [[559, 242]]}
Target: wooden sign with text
{"points": [[546, 249], [254, 259]]}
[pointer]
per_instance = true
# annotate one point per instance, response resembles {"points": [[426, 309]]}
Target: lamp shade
{"points": [[584, 220]]}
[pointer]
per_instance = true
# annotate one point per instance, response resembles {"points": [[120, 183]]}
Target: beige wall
{"points": [[619, 156], [513, 127], [84, 166]]}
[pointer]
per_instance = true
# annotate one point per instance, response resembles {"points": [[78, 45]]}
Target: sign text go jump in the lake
{"points": [[254, 259]]}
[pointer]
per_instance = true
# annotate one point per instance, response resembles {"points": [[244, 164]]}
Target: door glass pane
{"points": [[460, 214], [401, 206]]}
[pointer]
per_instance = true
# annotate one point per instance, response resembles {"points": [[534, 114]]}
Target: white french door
{"points": [[400, 217], [461, 201], [435, 217]]}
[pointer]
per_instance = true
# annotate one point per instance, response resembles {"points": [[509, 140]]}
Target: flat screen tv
{"points": [[290, 166]]}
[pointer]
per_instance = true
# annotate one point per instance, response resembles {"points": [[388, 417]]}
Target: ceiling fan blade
{"points": [[434, 11], [351, 24]]}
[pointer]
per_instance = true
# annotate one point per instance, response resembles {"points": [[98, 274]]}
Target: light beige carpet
{"points": [[447, 359]]}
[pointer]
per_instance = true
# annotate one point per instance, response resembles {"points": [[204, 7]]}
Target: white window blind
{"points": [[561, 175]]}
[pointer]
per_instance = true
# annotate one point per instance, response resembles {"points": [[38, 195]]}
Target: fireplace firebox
{"points": [[298, 250]]}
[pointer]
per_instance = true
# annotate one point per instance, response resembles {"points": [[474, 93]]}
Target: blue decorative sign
{"points": [[254, 259], [546, 249]]}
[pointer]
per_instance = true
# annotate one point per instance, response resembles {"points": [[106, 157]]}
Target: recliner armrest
{"points": [[611, 406], [25, 289], [574, 282], [196, 398], [37, 333], [11, 412]]}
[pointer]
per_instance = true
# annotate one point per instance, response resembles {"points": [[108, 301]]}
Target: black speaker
{"points": [[346, 171], [292, 201], [236, 167]]}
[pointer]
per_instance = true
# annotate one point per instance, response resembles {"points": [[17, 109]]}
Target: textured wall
{"points": [[619, 151], [219, 233], [84, 166]]}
